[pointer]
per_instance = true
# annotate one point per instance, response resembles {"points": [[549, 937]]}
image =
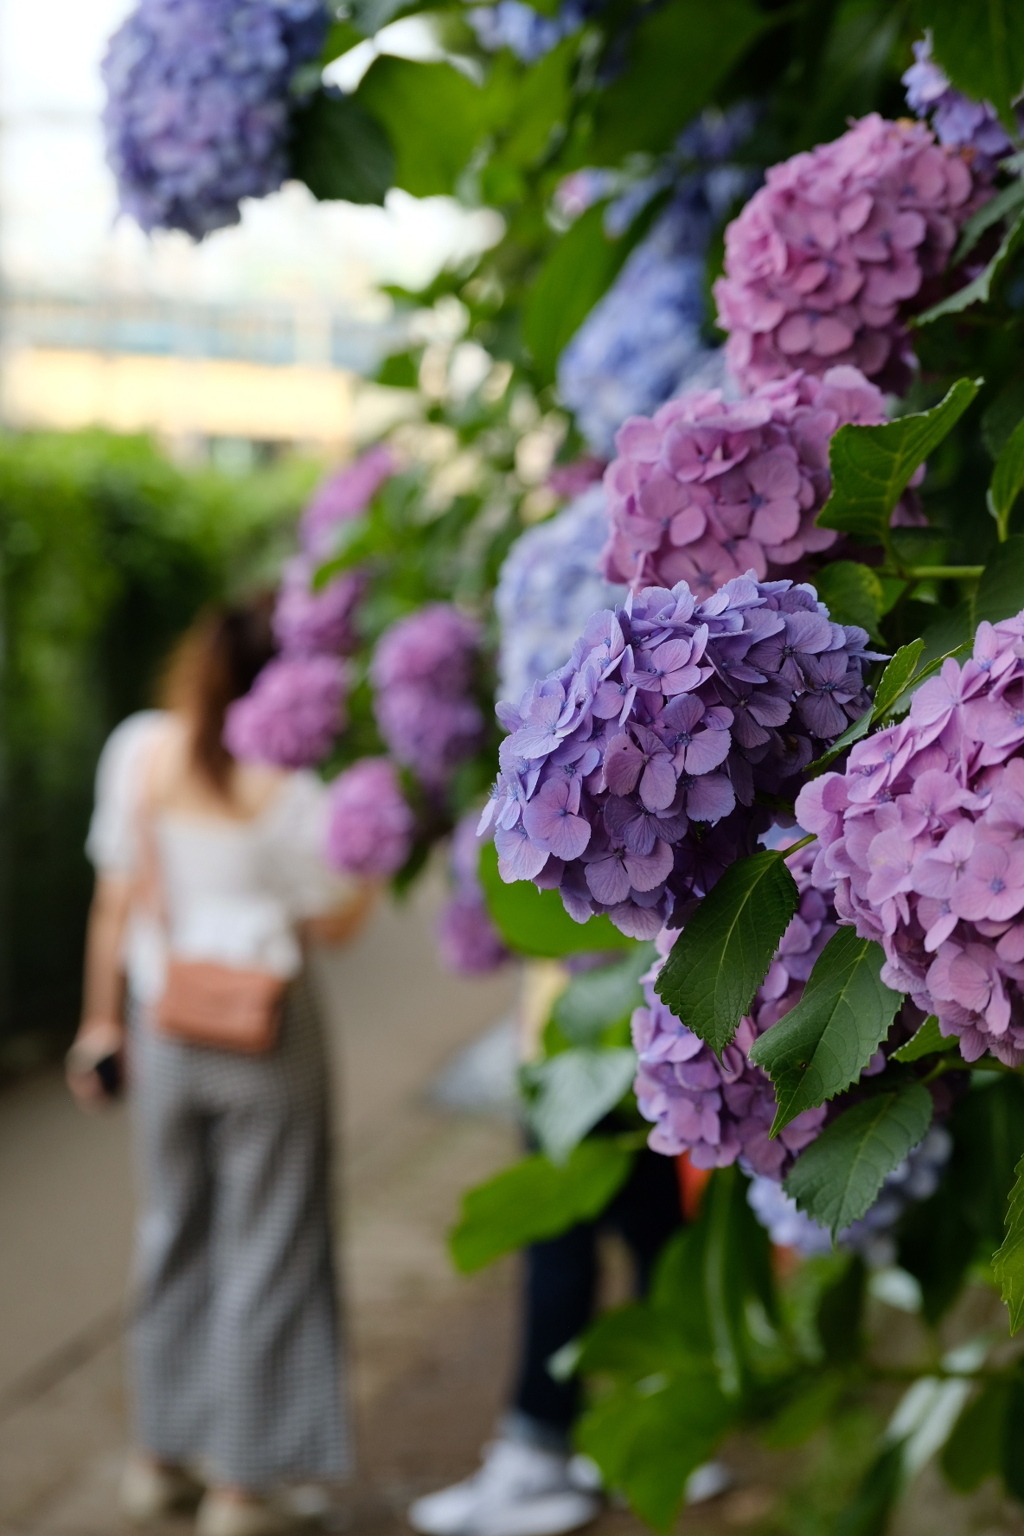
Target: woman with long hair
{"points": [[210, 882]]}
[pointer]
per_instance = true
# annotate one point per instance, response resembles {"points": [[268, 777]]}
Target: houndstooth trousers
{"points": [[235, 1334]]}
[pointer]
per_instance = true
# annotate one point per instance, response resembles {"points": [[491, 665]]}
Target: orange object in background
{"points": [[692, 1184]]}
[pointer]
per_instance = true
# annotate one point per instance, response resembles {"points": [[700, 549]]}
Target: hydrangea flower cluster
{"points": [[467, 939], [824, 261], [708, 488], [343, 496], [371, 826], [422, 673], [956, 120], [525, 31], [198, 106], [921, 837], [629, 776], [307, 622], [292, 713], [914, 1179], [721, 1110], [548, 586]]}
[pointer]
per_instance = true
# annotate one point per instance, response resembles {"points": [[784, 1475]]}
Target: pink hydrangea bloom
{"points": [[306, 621], [721, 1110], [422, 673], [922, 838], [371, 825], [344, 495], [825, 261], [708, 489], [292, 713]]}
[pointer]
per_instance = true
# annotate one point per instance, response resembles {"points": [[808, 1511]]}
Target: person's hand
{"points": [[97, 1038], [344, 922]]}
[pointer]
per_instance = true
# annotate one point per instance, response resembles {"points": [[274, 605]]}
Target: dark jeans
{"points": [[560, 1285]]}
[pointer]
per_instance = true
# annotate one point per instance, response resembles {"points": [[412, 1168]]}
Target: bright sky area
{"points": [[59, 230]]}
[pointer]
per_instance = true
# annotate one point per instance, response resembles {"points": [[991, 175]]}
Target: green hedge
{"points": [[107, 550]]}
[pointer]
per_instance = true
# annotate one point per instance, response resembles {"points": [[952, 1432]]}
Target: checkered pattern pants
{"points": [[235, 1347]]}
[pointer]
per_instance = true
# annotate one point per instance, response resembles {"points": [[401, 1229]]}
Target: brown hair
{"points": [[215, 662]]}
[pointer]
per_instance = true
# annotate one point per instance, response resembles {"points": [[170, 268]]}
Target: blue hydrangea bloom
{"points": [[198, 105], [548, 586], [529, 35]]}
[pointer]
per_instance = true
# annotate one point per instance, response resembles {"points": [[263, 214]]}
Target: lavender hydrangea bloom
{"points": [[548, 587], [422, 672], [921, 837], [721, 1110], [307, 622], [525, 31], [956, 120], [292, 713], [914, 1179], [344, 495], [467, 939], [371, 825], [669, 714], [198, 106]]}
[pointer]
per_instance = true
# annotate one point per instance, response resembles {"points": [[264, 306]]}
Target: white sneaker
{"points": [[220, 1516], [708, 1481], [520, 1490], [149, 1491]]}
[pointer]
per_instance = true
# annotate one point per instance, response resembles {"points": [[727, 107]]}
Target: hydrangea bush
{"points": [[292, 714], [422, 673], [371, 824], [468, 942]]}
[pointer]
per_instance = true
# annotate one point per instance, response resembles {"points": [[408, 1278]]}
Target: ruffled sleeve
{"points": [[111, 844]]}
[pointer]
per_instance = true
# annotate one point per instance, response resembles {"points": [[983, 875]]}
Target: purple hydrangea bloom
{"points": [[525, 31], [824, 263], [710, 488], [468, 941], [344, 495], [549, 585], [198, 105], [306, 621], [914, 1179], [922, 838], [422, 673], [628, 779], [371, 825], [292, 714], [721, 1110], [956, 120]]}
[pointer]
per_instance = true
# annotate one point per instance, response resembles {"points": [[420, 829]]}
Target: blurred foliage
{"points": [[107, 551]]}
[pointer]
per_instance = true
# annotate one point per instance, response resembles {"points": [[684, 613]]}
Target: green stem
{"points": [[944, 572], [812, 837]]}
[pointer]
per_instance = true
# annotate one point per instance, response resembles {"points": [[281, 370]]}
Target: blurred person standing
{"points": [[210, 886]]}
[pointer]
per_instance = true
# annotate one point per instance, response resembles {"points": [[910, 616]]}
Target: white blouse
{"points": [[233, 891]]}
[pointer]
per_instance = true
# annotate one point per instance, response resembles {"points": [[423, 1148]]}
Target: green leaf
{"points": [[722, 955], [840, 1315], [340, 151], [852, 594], [433, 115], [979, 289], [368, 16], [981, 49], [1000, 591], [591, 1003], [1000, 418], [534, 922], [1008, 1261], [839, 1175], [678, 56], [951, 632], [540, 102], [871, 466], [988, 214], [972, 1451], [581, 266], [574, 1090], [823, 1044], [649, 1436], [534, 1200], [928, 1041], [896, 678]]}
